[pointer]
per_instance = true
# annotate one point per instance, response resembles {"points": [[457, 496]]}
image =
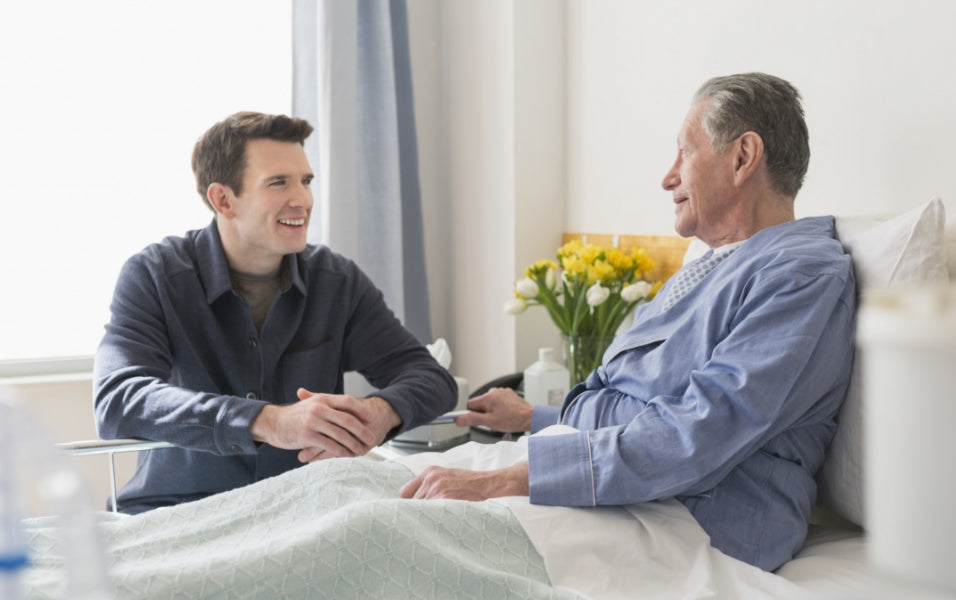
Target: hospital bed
{"points": [[453, 549]]}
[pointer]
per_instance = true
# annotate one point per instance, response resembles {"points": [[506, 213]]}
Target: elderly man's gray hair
{"points": [[768, 106]]}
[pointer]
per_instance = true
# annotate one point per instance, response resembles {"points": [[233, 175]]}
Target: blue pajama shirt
{"points": [[725, 401]]}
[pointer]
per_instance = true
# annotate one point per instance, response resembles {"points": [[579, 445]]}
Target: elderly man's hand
{"points": [[501, 409], [461, 484], [326, 425]]}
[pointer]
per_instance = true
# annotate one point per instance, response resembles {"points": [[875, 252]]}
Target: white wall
{"points": [[877, 78], [489, 97]]}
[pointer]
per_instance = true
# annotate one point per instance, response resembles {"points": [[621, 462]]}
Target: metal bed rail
{"points": [[110, 448]]}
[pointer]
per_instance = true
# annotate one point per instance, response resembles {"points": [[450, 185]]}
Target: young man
{"points": [[723, 397], [231, 342]]}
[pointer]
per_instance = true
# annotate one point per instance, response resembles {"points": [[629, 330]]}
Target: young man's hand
{"points": [[326, 425]]}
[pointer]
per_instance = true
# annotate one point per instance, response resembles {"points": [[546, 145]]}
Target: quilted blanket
{"points": [[333, 529], [337, 529]]}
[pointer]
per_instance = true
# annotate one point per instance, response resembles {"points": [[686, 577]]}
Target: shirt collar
{"points": [[214, 268], [727, 247], [292, 262]]}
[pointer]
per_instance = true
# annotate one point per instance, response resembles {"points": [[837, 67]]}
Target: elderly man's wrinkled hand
{"points": [[501, 409], [462, 484]]}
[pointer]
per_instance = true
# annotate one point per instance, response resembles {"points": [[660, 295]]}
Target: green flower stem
{"points": [[580, 306], [618, 312], [584, 353], [547, 299]]}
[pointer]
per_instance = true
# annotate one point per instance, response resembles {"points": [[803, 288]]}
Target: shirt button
{"points": [[251, 396], [236, 448], [251, 342]]}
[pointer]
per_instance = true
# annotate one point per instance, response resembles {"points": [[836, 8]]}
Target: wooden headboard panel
{"points": [[666, 250]]}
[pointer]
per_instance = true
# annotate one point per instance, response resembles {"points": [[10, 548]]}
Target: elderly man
{"points": [[724, 391]]}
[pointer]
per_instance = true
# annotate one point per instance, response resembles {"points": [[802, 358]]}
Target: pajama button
{"points": [[236, 448], [251, 342], [251, 395]]}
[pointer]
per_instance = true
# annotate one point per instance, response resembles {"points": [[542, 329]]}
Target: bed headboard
{"points": [[666, 250]]}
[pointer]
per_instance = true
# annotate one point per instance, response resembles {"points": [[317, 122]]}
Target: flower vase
{"points": [[583, 353]]}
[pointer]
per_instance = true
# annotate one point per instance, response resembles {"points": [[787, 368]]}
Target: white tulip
{"points": [[636, 291], [551, 279], [526, 288], [516, 306], [597, 294]]}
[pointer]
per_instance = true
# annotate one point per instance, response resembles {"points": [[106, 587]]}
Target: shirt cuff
{"points": [[233, 433], [544, 416], [560, 472]]}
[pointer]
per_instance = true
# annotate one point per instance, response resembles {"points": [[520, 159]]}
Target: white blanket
{"points": [[337, 529], [333, 529], [651, 550]]}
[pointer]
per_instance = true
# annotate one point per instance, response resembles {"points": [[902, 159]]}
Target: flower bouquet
{"points": [[588, 292]]}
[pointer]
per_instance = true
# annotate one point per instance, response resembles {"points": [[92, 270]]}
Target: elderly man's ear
{"points": [[748, 150]]}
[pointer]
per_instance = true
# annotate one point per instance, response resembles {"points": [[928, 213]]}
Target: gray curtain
{"points": [[352, 81]]}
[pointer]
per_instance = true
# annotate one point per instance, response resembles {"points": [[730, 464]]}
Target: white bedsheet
{"points": [[830, 560], [337, 529], [651, 550]]}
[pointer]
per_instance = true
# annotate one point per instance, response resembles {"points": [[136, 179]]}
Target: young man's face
{"points": [[271, 217]]}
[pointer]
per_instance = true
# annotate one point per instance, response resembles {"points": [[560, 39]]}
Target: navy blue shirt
{"points": [[183, 362]]}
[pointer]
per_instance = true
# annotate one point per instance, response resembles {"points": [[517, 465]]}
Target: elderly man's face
{"points": [[701, 182]]}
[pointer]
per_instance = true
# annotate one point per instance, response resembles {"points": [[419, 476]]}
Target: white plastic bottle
{"points": [[546, 381], [13, 551], [28, 455]]}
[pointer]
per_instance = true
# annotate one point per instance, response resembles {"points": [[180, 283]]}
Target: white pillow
{"points": [[904, 249], [894, 250], [951, 250], [951, 245]]}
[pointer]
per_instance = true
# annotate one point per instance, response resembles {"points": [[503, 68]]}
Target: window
{"points": [[104, 100]]}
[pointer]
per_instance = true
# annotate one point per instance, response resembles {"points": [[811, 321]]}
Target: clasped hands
{"points": [[326, 425], [331, 425]]}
